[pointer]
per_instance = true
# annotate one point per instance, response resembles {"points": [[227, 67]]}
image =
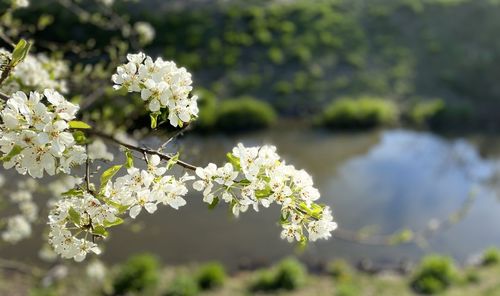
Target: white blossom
{"points": [[80, 215], [37, 134], [17, 229], [96, 270], [162, 85], [257, 176], [98, 150], [145, 189], [36, 72], [145, 31]]}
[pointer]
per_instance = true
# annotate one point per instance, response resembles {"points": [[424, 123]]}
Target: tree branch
{"points": [[141, 150]]}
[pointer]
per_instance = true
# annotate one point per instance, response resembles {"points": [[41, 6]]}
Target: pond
{"points": [[379, 182]]}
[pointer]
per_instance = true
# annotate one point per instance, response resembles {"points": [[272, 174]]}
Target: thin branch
{"points": [[141, 150], [4, 96], [87, 169]]}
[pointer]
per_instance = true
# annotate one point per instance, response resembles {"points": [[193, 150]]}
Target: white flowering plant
{"points": [[41, 133]]}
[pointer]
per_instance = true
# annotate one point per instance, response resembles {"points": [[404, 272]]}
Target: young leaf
{"points": [[108, 174], [233, 160], [74, 216], [13, 152], [130, 159], [20, 52], [263, 193], [154, 119], [73, 192], [214, 203], [100, 231], [75, 124], [173, 161], [80, 137], [118, 221]]}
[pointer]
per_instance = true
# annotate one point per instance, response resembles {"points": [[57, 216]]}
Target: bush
{"points": [[347, 290], [491, 257], [424, 113], [182, 285], [211, 275], [289, 274], [434, 275], [244, 114], [436, 114], [340, 270], [364, 112], [138, 274]]}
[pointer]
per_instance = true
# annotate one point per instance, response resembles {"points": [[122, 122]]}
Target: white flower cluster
{"points": [[18, 227], [34, 135], [161, 84], [82, 215], [147, 188], [145, 31], [36, 72], [257, 176]]}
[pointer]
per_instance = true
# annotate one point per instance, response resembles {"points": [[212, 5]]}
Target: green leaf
{"points": [[80, 137], [244, 182], [20, 52], [118, 221], [316, 210], [263, 192], [108, 174], [172, 161], [214, 203], [100, 231], [233, 160], [78, 125], [130, 159], [154, 119], [13, 152], [303, 242], [73, 192], [121, 208], [284, 218], [74, 216]]}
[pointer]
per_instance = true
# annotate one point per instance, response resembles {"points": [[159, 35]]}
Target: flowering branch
{"points": [[39, 135]]}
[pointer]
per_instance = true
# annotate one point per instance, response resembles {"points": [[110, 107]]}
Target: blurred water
{"points": [[380, 181]]}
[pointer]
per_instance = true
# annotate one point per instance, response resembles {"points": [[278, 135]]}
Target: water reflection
{"points": [[386, 180]]}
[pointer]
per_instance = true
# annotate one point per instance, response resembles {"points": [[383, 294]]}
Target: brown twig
{"points": [[141, 150]]}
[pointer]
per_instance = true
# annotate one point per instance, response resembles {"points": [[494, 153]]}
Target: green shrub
{"points": [[264, 281], [289, 274], [138, 274], [211, 275], [472, 277], [347, 290], [434, 275], [182, 285], [340, 270], [244, 114], [364, 112], [424, 113], [436, 114], [491, 257]]}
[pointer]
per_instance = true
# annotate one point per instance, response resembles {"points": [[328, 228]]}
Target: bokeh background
{"points": [[391, 105]]}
